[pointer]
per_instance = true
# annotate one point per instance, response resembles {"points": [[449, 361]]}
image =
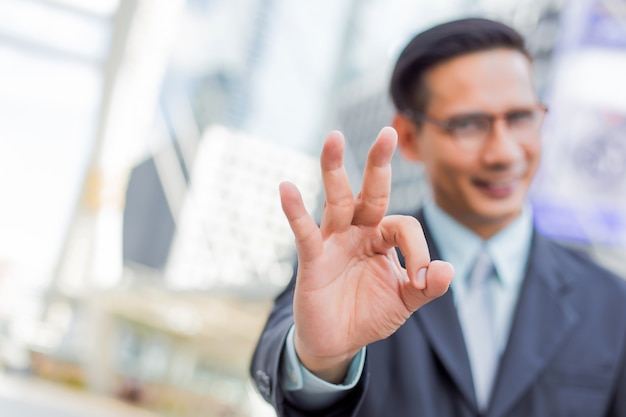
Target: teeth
{"points": [[500, 184], [510, 182]]}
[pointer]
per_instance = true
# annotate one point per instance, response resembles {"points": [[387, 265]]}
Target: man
{"points": [[528, 328]]}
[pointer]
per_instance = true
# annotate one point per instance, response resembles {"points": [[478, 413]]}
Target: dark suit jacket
{"points": [[566, 354]]}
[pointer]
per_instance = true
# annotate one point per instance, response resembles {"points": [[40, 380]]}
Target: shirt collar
{"points": [[509, 248]]}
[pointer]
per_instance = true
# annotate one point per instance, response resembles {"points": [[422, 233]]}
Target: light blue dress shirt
{"points": [[509, 250]]}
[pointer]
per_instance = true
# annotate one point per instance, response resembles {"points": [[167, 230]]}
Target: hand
{"points": [[351, 289]]}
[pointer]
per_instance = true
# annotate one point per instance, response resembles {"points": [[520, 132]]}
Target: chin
{"points": [[501, 215], [492, 208]]}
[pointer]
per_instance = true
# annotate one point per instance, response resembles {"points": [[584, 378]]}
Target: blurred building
{"points": [[143, 142]]}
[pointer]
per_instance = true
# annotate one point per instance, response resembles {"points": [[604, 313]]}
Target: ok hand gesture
{"points": [[351, 289]]}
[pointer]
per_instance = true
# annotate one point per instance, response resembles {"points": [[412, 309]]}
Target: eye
{"points": [[521, 118], [468, 125]]}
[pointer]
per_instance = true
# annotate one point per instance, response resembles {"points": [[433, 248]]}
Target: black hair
{"points": [[441, 43]]}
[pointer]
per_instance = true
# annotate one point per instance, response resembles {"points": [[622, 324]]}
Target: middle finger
{"points": [[373, 200]]}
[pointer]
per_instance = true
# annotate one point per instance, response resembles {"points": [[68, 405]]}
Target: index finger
{"points": [[406, 233]]}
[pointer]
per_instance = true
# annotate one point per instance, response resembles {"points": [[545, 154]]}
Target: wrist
{"points": [[332, 369]]}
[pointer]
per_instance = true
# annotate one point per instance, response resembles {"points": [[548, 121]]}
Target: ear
{"points": [[408, 137]]}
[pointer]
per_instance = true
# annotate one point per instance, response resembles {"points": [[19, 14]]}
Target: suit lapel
{"points": [[441, 326], [542, 320], [435, 318]]}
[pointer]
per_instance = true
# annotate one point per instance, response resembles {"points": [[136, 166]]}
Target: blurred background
{"points": [[141, 147]]}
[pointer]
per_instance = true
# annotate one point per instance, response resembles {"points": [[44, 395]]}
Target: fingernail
{"points": [[420, 278]]}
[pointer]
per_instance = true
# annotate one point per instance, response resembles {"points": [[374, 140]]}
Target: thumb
{"points": [[429, 283]]}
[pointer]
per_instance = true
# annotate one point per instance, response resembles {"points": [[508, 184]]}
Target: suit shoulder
{"points": [[579, 263]]}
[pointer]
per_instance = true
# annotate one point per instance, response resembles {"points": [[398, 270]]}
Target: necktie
{"points": [[475, 314]]}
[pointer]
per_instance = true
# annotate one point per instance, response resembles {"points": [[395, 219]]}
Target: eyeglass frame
{"points": [[490, 119]]}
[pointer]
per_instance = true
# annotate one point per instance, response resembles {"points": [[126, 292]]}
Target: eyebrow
{"points": [[484, 113]]}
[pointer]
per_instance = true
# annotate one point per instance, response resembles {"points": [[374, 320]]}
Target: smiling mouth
{"points": [[497, 189]]}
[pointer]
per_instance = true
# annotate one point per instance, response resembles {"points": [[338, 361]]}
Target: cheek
{"points": [[536, 153], [450, 173], [533, 157], [447, 166], [458, 162]]}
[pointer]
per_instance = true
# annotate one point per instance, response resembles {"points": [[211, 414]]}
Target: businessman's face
{"points": [[479, 139]]}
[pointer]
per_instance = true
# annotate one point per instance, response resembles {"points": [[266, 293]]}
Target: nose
{"points": [[501, 148]]}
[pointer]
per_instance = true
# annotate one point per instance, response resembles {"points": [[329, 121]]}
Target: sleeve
{"points": [[618, 405], [266, 359], [307, 390], [266, 367]]}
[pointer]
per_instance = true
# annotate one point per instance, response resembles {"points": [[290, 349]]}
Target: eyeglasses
{"points": [[471, 130]]}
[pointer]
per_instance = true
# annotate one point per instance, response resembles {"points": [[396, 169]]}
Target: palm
{"points": [[351, 289], [359, 294]]}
